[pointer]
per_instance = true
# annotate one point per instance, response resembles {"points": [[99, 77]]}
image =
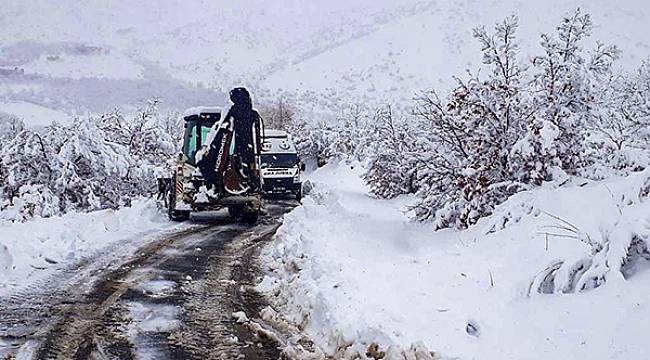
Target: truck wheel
{"points": [[250, 216], [179, 215], [235, 212], [175, 215]]}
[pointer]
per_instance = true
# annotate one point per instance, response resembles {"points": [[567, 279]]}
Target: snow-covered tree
{"points": [[566, 101], [280, 114], [345, 137], [621, 136], [10, 127], [394, 156], [349, 135], [473, 133], [25, 159], [92, 163]]}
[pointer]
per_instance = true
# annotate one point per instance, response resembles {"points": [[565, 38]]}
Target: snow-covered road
{"points": [[185, 295]]}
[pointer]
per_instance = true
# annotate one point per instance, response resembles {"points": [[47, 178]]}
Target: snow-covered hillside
{"points": [[353, 270], [81, 57]]}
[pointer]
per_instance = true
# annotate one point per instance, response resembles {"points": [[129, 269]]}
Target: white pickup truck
{"points": [[280, 166]]}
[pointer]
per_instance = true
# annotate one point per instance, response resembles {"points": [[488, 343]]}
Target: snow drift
{"points": [[353, 271], [43, 246]]}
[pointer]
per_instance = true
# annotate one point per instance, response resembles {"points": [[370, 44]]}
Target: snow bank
{"points": [[353, 271], [41, 246]]}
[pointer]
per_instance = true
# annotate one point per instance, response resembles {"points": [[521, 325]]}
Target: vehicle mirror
{"points": [[302, 166]]}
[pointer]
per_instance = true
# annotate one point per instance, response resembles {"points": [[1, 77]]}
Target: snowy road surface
{"points": [[185, 296]]}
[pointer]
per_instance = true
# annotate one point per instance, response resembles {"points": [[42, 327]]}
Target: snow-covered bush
{"points": [[566, 115], [567, 97], [621, 132], [473, 131], [10, 127], [394, 155], [617, 251], [32, 200], [100, 162], [350, 137]]}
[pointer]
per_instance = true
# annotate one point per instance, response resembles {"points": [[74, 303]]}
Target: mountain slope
{"points": [[65, 55]]}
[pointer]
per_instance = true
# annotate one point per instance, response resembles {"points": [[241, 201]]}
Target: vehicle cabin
{"points": [[280, 166], [198, 123]]}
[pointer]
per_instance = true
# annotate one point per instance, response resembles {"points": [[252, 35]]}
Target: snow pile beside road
{"points": [[41, 246], [353, 271]]}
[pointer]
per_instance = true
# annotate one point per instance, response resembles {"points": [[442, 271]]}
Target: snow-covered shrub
{"points": [[10, 127], [567, 98], [100, 162], [621, 132], [394, 155], [350, 136], [472, 134], [345, 137], [616, 252], [311, 138], [566, 115], [26, 159], [32, 200]]}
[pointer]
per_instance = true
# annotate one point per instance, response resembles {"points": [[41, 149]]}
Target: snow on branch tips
{"points": [[511, 127], [93, 163], [517, 127], [473, 131]]}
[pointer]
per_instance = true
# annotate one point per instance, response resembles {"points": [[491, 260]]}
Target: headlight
{"points": [[296, 179]]}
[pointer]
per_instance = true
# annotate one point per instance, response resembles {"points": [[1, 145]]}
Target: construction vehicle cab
{"points": [[188, 191]]}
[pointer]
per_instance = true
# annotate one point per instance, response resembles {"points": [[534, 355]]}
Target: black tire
{"points": [[179, 215], [250, 216], [172, 213], [235, 211]]}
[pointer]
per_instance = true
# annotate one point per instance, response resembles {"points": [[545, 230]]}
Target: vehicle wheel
{"points": [[250, 216], [235, 212], [179, 215], [175, 215]]}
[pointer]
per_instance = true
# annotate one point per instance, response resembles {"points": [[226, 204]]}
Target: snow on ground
{"points": [[352, 269], [43, 246], [358, 51], [34, 115], [423, 48], [78, 67]]}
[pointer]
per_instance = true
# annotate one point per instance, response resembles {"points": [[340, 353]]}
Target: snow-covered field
{"points": [[41, 247], [353, 270]]}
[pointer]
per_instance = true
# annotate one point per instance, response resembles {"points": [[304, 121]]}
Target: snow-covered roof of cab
{"points": [[198, 110], [275, 134], [278, 145]]}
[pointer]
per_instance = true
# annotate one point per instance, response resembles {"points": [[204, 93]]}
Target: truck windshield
{"points": [[278, 160], [195, 137]]}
